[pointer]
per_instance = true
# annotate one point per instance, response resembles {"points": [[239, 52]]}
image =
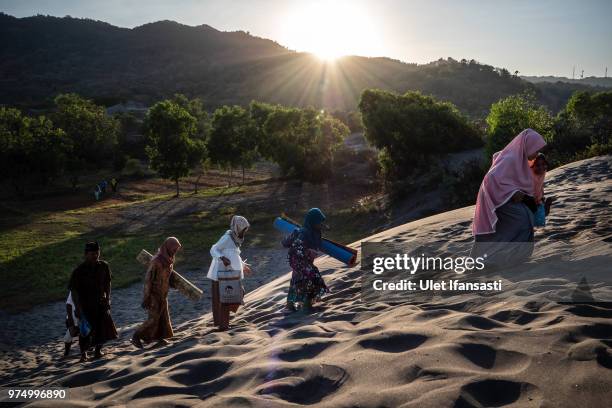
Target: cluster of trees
{"points": [[470, 85], [413, 131], [352, 119], [301, 141], [29, 147], [410, 129], [75, 137], [182, 137], [509, 116], [93, 134], [583, 128], [78, 136]]}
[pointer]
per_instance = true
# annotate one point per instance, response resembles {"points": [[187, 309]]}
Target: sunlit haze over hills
{"points": [[534, 38]]}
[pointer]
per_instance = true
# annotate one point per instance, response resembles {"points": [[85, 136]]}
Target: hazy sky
{"points": [[538, 37]]}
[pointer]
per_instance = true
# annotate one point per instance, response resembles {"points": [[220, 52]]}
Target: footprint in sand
{"points": [[129, 376], [428, 315], [86, 377], [516, 316], [418, 373], [497, 393], [199, 371], [310, 387], [491, 359], [303, 351], [586, 310], [391, 342], [475, 322], [188, 356], [310, 331], [602, 331]]}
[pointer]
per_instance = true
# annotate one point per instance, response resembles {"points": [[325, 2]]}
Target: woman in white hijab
{"points": [[226, 256]]}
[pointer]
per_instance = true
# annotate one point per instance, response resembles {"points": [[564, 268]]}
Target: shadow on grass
{"points": [[42, 274]]}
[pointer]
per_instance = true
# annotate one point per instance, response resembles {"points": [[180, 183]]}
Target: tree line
{"points": [[582, 129], [183, 136], [410, 131], [34, 150], [78, 136], [413, 132]]}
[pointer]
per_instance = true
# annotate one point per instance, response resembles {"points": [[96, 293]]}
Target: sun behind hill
{"points": [[330, 30]]}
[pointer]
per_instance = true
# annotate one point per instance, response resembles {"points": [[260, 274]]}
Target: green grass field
{"points": [[39, 249]]}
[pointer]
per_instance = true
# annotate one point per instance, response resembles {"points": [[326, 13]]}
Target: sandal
{"points": [[136, 342]]}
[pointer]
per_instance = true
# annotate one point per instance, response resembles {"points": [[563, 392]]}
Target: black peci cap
{"points": [[92, 246]]}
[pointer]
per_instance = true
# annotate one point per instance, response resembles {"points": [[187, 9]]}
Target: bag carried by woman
{"points": [[230, 287], [227, 271]]}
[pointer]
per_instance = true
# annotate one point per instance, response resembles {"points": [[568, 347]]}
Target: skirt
{"points": [[221, 312], [158, 325], [306, 289], [512, 241]]}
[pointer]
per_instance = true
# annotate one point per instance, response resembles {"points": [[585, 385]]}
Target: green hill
{"points": [[42, 56]]}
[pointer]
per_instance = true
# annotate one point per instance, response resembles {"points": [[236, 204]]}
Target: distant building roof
{"points": [[129, 106]]}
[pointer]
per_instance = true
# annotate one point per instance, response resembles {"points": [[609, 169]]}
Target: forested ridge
{"points": [[43, 56]]}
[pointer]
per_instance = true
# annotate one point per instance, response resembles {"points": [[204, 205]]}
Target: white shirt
{"points": [[70, 302], [225, 247]]}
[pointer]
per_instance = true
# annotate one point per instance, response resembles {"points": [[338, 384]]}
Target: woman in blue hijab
{"points": [[307, 285]]}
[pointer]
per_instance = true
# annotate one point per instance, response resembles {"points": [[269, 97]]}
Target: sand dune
{"points": [[522, 351]]}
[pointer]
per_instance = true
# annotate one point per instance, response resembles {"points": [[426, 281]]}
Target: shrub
{"points": [[303, 142], [461, 187], [410, 129], [510, 116], [583, 128], [133, 168]]}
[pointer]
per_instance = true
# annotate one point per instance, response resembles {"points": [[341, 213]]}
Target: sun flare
{"points": [[330, 30]]}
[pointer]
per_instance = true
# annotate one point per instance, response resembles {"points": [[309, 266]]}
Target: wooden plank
{"points": [[180, 283]]}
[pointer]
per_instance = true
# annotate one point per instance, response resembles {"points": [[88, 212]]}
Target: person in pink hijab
{"points": [[155, 297], [507, 183]]}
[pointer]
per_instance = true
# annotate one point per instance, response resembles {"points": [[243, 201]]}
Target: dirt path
{"points": [[18, 334]]}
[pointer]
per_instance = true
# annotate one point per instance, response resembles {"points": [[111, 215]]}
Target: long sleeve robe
{"points": [[90, 286], [155, 296]]}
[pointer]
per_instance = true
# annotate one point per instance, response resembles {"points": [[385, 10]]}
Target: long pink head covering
{"points": [[509, 173], [165, 253]]}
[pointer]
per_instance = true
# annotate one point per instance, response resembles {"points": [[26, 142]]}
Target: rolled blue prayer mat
{"points": [[331, 248]]}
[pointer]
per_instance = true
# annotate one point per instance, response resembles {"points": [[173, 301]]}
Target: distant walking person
{"points": [[226, 258], [307, 285], [90, 286], [155, 297], [97, 192], [114, 184]]}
